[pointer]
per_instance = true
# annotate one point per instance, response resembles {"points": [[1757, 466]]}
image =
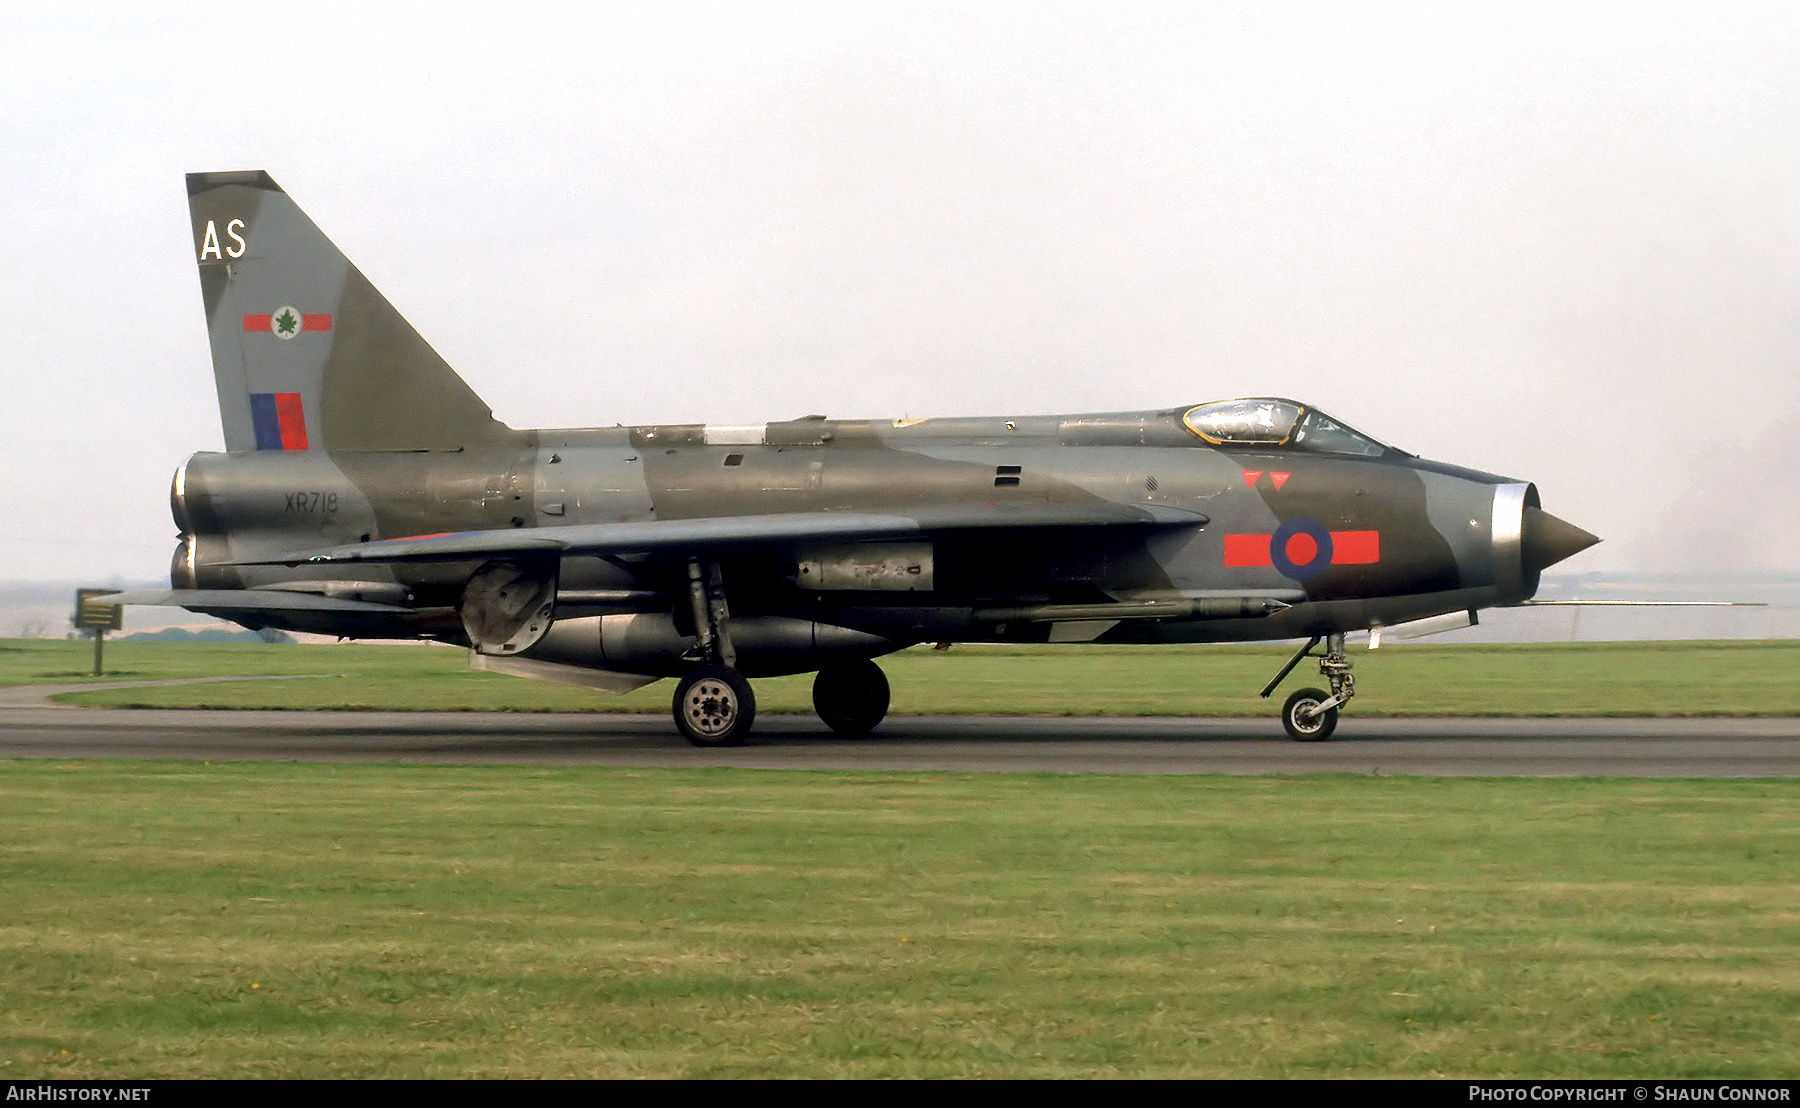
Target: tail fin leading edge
{"points": [[307, 354]]}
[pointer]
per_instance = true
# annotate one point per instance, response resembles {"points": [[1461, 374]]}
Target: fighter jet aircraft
{"points": [[367, 492]]}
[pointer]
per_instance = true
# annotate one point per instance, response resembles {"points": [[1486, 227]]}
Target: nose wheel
{"points": [[1306, 721], [1311, 715]]}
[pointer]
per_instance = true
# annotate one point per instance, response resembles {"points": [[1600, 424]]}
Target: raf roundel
{"points": [[1300, 549]]}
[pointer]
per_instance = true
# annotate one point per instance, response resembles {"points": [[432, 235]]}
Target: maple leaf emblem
{"points": [[287, 323]]}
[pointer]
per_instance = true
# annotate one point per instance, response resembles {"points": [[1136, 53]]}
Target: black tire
{"points": [[1304, 726], [714, 706], [851, 697]]}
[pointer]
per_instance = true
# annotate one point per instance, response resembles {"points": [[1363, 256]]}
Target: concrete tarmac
{"points": [[1436, 747]]}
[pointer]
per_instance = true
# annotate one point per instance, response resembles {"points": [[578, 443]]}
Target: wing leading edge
{"points": [[724, 532]]}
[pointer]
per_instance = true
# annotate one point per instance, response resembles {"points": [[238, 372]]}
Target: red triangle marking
{"points": [[1250, 476], [1280, 479]]}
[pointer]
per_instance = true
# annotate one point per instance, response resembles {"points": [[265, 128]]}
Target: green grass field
{"points": [[1632, 679], [258, 920], [291, 920]]}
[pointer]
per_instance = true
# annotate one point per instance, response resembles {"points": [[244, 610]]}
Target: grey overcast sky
{"points": [[1557, 241]]}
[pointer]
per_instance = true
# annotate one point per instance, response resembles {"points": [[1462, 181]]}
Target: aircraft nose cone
{"points": [[1548, 540]]}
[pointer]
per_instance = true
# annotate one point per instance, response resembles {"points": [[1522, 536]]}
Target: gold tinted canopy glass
{"points": [[1271, 421], [1260, 421]]}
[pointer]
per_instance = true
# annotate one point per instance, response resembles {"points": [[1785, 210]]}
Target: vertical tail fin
{"points": [[307, 354]]}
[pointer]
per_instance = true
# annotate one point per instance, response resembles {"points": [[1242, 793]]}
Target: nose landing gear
{"points": [[1311, 715]]}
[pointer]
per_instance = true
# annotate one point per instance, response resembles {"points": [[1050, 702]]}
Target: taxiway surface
{"points": [[1439, 747]]}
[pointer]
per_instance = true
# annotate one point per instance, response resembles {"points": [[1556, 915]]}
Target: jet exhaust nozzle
{"points": [[1548, 540]]}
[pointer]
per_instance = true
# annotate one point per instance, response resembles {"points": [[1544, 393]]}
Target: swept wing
{"points": [[716, 533]]}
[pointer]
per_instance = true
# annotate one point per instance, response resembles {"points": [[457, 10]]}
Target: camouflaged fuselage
{"points": [[1349, 542]]}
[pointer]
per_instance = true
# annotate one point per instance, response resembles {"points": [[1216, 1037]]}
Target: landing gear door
{"points": [[508, 606]]}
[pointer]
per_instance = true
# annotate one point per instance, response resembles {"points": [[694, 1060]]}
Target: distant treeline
{"points": [[182, 634]]}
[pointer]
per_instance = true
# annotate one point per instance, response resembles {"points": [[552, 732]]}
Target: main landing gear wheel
{"points": [[851, 698], [714, 706], [1303, 719]]}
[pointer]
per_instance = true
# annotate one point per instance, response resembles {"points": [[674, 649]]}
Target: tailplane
{"points": [[307, 354]]}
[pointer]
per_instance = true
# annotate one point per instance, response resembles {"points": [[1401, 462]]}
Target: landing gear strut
{"points": [[851, 697], [1311, 715], [713, 704]]}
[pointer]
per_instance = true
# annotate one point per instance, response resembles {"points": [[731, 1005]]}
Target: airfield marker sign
{"points": [[93, 615]]}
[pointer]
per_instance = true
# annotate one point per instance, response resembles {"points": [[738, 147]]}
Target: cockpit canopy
{"points": [[1268, 421]]}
